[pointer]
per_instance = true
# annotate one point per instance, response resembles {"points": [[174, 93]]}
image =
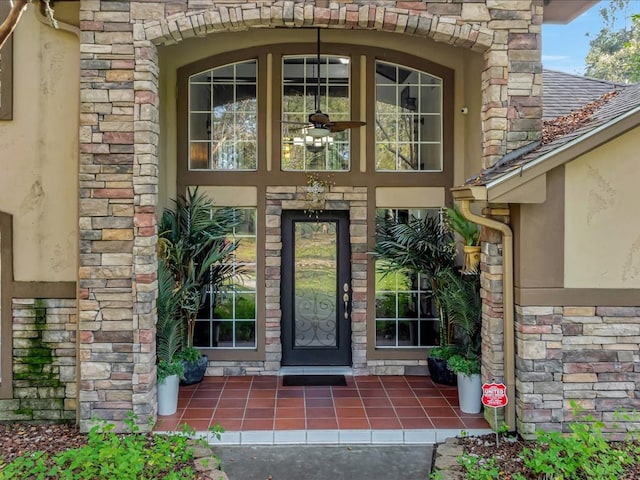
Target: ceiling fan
{"points": [[319, 124]]}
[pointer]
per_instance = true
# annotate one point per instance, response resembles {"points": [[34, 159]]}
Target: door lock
{"points": [[345, 297]]}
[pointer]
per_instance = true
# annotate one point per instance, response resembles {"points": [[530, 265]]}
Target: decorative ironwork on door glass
{"points": [[315, 284]]}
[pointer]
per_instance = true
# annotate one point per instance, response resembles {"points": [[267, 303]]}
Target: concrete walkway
{"points": [[326, 462]]}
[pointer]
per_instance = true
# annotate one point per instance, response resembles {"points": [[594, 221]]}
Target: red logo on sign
{"points": [[494, 395]]}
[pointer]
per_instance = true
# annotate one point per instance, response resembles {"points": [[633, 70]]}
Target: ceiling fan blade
{"points": [[344, 125], [288, 122], [319, 118]]}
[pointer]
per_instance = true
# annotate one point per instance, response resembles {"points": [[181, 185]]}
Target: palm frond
{"points": [[168, 328]]}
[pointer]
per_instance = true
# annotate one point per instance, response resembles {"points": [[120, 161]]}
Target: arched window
{"points": [[223, 118]]}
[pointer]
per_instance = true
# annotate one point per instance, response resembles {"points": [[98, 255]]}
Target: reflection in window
{"points": [[228, 319], [299, 91], [223, 124], [406, 314], [408, 133]]}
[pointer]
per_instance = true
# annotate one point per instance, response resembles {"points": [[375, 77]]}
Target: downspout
{"points": [[507, 304]]}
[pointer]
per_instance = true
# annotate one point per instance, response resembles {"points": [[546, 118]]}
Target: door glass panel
{"points": [[315, 284]]}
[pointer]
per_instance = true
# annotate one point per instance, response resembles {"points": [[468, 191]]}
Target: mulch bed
{"points": [[19, 439], [507, 456]]}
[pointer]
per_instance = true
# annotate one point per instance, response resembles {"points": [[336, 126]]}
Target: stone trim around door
{"points": [[351, 199]]}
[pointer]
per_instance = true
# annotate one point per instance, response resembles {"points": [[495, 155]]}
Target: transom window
{"points": [[406, 314], [408, 130], [307, 87], [223, 118], [228, 318]]}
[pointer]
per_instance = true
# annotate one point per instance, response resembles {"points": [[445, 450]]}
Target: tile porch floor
{"points": [[370, 409]]}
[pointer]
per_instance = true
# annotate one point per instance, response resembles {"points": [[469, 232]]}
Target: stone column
{"points": [[116, 222], [512, 79], [491, 278]]}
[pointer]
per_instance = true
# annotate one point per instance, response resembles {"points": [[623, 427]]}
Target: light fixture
{"points": [[314, 144], [317, 132]]}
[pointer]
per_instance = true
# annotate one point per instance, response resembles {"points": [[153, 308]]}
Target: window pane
{"points": [[301, 74], [218, 324], [386, 333], [223, 106], [408, 114], [406, 315], [245, 334]]}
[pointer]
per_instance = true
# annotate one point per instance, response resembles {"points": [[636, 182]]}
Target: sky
{"points": [[564, 47]]}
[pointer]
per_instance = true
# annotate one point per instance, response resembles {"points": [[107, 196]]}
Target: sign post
{"points": [[494, 395]]}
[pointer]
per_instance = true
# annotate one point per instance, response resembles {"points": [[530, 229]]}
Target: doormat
{"points": [[314, 381]]}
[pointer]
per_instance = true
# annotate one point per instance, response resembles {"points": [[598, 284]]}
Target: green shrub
{"points": [[108, 455], [584, 453]]}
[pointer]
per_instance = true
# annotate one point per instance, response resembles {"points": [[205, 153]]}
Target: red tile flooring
{"points": [[252, 403]]}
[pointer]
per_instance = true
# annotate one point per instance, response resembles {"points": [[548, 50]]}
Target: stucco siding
{"points": [[39, 150], [602, 234]]}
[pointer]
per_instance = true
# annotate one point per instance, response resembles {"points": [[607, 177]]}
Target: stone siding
{"points": [[589, 356], [119, 138], [44, 361]]}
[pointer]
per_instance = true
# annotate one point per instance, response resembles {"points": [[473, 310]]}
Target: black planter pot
{"points": [[440, 373], [194, 371]]}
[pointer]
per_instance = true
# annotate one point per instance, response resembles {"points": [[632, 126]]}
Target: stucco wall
{"points": [[602, 239], [39, 150]]}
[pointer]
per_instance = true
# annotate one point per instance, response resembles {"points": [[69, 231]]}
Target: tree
{"points": [[613, 54], [17, 9]]}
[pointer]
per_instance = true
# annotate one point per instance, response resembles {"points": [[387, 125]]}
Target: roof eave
{"points": [[567, 152], [563, 12]]}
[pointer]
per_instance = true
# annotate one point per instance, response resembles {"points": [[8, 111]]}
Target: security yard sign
{"points": [[494, 395]]}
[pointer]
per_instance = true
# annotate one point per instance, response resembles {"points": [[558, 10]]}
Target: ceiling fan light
{"points": [[318, 132]]}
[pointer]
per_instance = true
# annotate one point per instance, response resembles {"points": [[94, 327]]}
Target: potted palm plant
{"points": [[459, 297], [469, 233], [168, 341], [194, 244], [424, 246]]}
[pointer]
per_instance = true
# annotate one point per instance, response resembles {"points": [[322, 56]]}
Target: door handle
{"points": [[345, 298]]}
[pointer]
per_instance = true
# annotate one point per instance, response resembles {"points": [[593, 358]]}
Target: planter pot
{"points": [[470, 393], [471, 259], [194, 371], [440, 373], [168, 395]]}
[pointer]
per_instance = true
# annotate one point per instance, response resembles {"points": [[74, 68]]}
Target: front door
{"points": [[316, 289]]}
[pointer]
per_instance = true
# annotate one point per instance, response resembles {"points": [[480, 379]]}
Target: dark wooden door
{"points": [[316, 289]]}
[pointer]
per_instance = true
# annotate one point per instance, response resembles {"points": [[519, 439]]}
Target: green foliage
{"points": [[190, 354], [168, 329], [109, 456], [422, 245], [444, 352], [477, 468], [458, 297], [194, 244], [582, 454], [468, 231], [614, 54], [465, 365]]}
